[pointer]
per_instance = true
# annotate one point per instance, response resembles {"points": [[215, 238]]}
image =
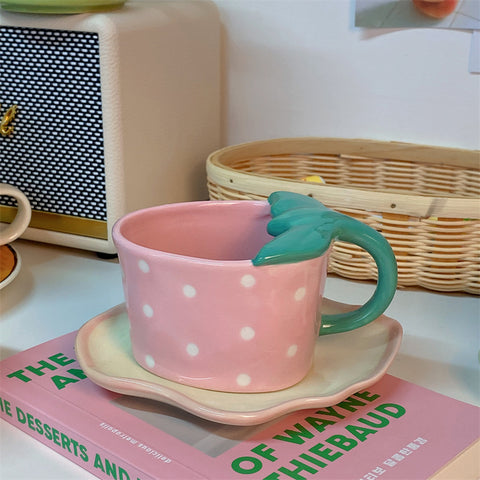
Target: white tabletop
{"points": [[58, 289]]}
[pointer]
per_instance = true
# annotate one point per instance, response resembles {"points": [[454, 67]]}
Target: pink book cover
{"points": [[393, 430]]}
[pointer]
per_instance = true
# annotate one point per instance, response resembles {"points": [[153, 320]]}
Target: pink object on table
{"points": [[201, 314]]}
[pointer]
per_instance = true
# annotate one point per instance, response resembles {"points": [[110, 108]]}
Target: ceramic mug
{"points": [[224, 295], [10, 232]]}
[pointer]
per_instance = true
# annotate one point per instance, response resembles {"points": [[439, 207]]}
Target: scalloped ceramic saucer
{"points": [[344, 364]]}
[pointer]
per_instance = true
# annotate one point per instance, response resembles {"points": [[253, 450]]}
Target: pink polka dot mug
{"points": [[202, 313]]}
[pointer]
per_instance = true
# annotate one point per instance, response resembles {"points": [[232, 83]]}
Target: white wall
{"points": [[299, 68]]}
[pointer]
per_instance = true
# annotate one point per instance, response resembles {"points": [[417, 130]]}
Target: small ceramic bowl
{"points": [[60, 6]]}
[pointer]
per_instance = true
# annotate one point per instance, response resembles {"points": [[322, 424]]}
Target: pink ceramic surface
{"points": [[201, 314], [344, 363]]}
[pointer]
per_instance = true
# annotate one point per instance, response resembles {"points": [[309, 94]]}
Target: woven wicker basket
{"points": [[425, 200]]}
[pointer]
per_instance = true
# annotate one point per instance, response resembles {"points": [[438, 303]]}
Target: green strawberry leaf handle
{"points": [[304, 228]]}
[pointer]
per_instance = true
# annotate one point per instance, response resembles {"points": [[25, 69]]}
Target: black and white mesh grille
{"points": [[55, 155]]}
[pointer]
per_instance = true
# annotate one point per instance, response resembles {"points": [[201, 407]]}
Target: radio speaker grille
{"points": [[55, 154]]}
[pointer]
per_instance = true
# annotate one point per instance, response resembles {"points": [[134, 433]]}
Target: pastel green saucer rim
{"points": [[60, 6]]}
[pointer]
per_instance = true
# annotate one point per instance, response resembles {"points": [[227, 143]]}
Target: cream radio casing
{"points": [[105, 113]]}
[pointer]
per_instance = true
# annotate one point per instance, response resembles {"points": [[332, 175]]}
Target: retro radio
{"points": [[105, 113]]}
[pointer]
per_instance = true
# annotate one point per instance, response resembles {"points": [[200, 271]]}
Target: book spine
{"points": [[75, 447]]}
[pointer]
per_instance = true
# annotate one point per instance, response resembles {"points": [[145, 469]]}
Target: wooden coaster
{"points": [[8, 260]]}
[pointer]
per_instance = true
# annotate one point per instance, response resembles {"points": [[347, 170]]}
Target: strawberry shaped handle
{"points": [[303, 228]]}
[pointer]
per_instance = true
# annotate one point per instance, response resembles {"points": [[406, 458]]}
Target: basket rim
{"points": [[394, 202], [379, 149]]}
